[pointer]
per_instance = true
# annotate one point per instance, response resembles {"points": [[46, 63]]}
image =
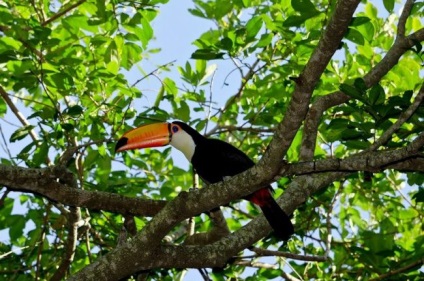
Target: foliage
{"points": [[67, 67]]}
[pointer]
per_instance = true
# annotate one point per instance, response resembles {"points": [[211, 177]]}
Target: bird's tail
{"points": [[277, 218]]}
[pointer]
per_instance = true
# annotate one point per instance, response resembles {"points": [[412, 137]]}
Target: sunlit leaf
{"points": [[207, 54], [355, 36], [21, 133]]}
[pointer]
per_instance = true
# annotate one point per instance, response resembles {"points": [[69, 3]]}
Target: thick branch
{"points": [[306, 83], [140, 255], [371, 162], [128, 257], [44, 182]]}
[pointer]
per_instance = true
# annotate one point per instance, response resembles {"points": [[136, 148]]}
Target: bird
{"points": [[213, 160]]}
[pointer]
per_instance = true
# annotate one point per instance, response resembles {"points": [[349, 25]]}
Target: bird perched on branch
{"points": [[212, 159]]}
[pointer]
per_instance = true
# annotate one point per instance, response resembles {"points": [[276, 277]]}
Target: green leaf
{"points": [[359, 84], [389, 5], [75, 110], [68, 127], [265, 40], [40, 154], [17, 224], [295, 21], [170, 86], [45, 113], [356, 21], [105, 166], [367, 30], [226, 44], [355, 36], [3, 107], [183, 112], [354, 144], [304, 7], [376, 95], [131, 54], [21, 133], [60, 81], [351, 91], [207, 54], [253, 26], [159, 96], [419, 196]]}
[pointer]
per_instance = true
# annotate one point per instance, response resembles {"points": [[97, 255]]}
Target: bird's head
{"points": [[177, 134]]}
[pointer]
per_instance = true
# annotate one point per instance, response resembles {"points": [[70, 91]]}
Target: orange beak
{"points": [[152, 135]]}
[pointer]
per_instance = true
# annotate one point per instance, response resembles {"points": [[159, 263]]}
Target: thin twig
{"points": [[69, 153], [152, 72], [204, 274], [403, 18], [191, 222], [231, 128], [400, 270], [6, 147], [289, 277], [14, 249], [3, 197], [17, 113], [41, 241], [245, 79], [61, 13], [263, 253], [256, 264], [208, 117], [73, 220], [402, 119]]}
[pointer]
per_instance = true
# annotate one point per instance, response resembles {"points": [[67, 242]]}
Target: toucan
{"points": [[212, 159]]}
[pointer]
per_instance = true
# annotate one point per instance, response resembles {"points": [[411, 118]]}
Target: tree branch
{"points": [[401, 46], [404, 116], [365, 161], [73, 219], [299, 103], [44, 182], [17, 113], [139, 254], [399, 270], [264, 253], [406, 11], [61, 13]]}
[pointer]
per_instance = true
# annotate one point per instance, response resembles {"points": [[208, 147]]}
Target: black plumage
{"points": [[214, 160]]}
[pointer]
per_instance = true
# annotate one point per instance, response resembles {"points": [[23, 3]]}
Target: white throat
{"points": [[184, 143]]}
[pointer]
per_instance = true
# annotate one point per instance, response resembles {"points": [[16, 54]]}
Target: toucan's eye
{"points": [[175, 129]]}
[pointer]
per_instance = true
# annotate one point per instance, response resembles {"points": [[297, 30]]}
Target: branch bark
{"points": [[45, 183], [299, 103]]}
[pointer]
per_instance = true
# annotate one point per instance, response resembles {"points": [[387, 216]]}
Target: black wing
{"points": [[214, 160]]}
